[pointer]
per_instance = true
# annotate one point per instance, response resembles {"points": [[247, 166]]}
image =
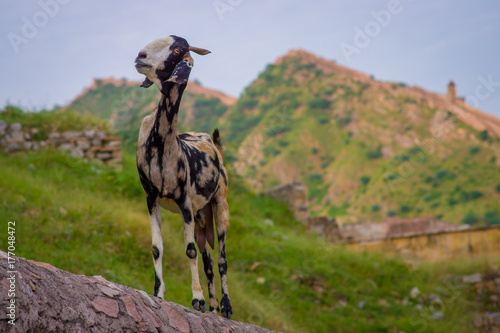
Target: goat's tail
{"points": [[217, 142]]}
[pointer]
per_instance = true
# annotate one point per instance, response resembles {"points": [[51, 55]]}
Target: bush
{"points": [[401, 158], [441, 174], [497, 188], [405, 209], [435, 204], [374, 154], [319, 103], [391, 213], [344, 121], [483, 135], [472, 195], [414, 150], [314, 150], [323, 121], [283, 143], [452, 201], [364, 180], [492, 217], [470, 219], [375, 208], [391, 176], [249, 103], [474, 150], [276, 130], [315, 177]]}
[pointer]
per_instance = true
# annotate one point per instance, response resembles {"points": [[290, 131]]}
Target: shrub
{"points": [[314, 150], [472, 195], [364, 179], [344, 121], [375, 208], [277, 130], [435, 204], [249, 103], [474, 150], [492, 217], [315, 177], [483, 135], [391, 176], [414, 150], [323, 121], [374, 154], [452, 201], [497, 188], [470, 219], [401, 158], [405, 209], [319, 103], [391, 213], [441, 174], [283, 143]]}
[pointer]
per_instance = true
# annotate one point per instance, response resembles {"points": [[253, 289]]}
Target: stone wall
{"points": [[437, 245], [92, 144]]}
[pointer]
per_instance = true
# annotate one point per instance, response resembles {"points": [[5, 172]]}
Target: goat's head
{"points": [[166, 60]]}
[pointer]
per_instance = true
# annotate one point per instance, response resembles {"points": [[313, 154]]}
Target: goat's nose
{"points": [[142, 55]]}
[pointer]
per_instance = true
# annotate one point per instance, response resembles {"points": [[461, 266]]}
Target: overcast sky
{"points": [[52, 49]]}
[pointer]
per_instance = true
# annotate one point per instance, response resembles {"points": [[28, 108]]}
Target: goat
{"points": [[183, 173]]}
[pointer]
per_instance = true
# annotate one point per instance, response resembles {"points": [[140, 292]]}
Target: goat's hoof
{"points": [[226, 309], [214, 310], [199, 305]]}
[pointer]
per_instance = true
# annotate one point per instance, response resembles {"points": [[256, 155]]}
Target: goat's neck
{"points": [[167, 115]]}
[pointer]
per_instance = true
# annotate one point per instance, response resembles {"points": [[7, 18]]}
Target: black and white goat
{"points": [[183, 173]]}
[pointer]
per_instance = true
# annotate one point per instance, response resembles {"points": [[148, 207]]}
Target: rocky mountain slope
{"points": [[366, 149]]}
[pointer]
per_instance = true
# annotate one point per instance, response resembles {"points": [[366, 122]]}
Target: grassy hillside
{"points": [[367, 149], [90, 219], [125, 104]]}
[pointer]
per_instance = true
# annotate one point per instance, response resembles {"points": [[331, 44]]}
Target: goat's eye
{"points": [[176, 51]]}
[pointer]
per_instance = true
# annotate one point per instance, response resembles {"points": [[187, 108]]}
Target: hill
{"points": [[366, 149], [124, 105]]}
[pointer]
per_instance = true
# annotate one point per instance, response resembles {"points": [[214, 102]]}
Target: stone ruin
{"points": [[92, 144], [295, 195]]}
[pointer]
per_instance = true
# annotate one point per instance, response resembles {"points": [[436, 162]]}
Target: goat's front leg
{"points": [[188, 221], [157, 246]]}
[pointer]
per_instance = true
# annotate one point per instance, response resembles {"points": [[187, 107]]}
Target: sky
{"points": [[52, 49]]}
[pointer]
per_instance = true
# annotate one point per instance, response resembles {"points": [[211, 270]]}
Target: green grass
{"points": [[90, 219], [47, 122]]}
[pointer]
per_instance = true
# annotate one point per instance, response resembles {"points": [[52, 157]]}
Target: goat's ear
{"points": [[147, 83], [199, 50], [181, 72]]}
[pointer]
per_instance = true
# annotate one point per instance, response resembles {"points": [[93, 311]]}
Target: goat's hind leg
{"points": [[221, 215], [157, 244], [204, 238]]}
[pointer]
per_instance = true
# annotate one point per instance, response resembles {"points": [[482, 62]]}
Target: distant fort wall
{"points": [[437, 245]]}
